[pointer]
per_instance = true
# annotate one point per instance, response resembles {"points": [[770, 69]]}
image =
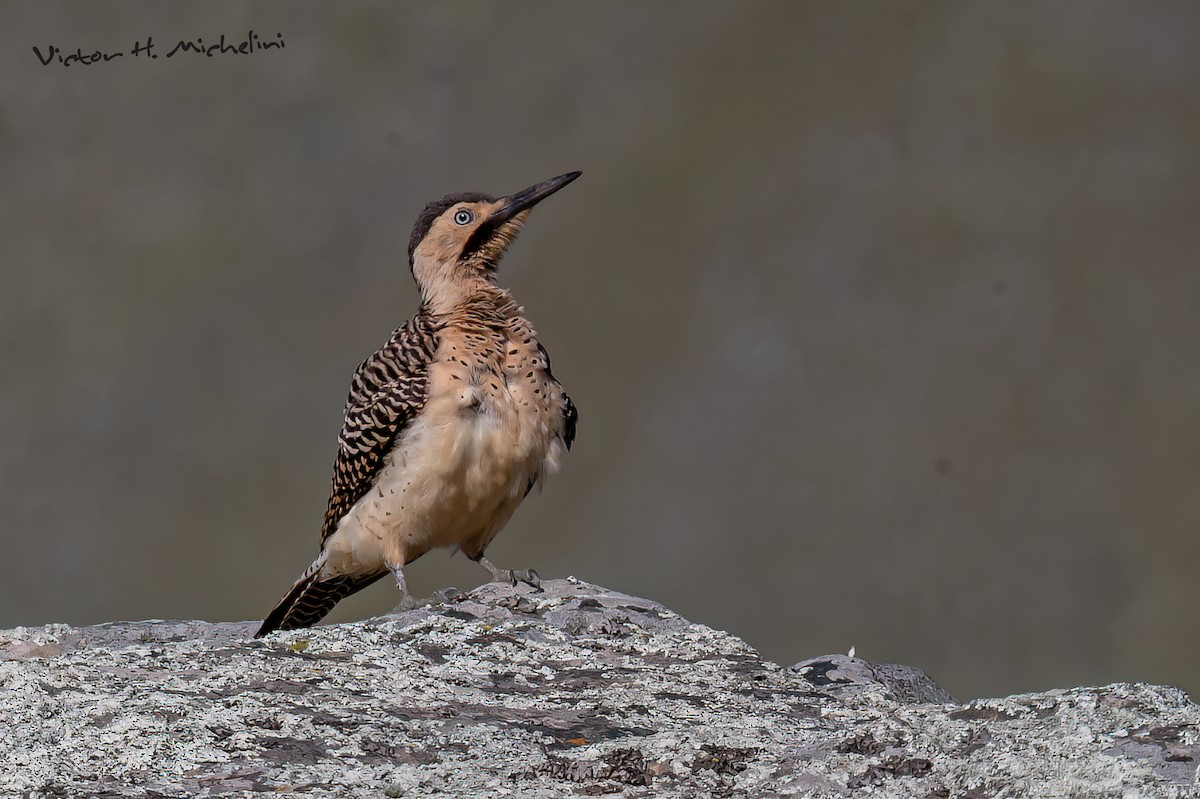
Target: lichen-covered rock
{"points": [[573, 691]]}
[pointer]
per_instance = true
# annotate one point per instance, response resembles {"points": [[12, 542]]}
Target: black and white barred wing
{"points": [[388, 390]]}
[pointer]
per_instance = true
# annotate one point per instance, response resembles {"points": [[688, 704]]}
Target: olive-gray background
{"points": [[882, 319]]}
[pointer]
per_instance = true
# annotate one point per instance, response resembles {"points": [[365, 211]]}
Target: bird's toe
{"points": [[530, 578]]}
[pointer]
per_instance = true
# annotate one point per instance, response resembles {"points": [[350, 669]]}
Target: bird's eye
{"points": [[463, 217]]}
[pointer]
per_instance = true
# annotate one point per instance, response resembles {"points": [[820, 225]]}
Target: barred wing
{"points": [[388, 389]]}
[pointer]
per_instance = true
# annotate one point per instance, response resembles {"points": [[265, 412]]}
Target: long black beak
{"points": [[527, 198]]}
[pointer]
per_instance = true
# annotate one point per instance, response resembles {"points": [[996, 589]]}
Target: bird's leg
{"points": [[511, 576], [398, 573], [407, 602]]}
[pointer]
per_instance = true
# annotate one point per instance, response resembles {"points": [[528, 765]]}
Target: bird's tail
{"points": [[312, 597]]}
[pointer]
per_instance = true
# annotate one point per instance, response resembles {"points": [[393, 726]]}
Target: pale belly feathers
{"points": [[461, 468]]}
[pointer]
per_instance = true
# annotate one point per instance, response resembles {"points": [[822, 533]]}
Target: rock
{"points": [[573, 691], [844, 676]]}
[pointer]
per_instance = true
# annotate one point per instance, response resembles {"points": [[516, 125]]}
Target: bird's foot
{"points": [[512, 576], [515, 576], [406, 603], [448, 596]]}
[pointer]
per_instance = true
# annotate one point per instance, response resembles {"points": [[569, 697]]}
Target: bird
{"points": [[449, 425]]}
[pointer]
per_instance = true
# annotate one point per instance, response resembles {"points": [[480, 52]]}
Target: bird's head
{"points": [[459, 239]]}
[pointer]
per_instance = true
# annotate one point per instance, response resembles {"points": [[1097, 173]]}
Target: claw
{"points": [[531, 579], [517, 576], [406, 603], [448, 596], [512, 576]]}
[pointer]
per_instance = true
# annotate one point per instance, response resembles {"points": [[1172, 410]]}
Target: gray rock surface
{"points": [[574, 691]]}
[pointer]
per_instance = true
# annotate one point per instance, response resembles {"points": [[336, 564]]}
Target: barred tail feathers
{"points": [[312, 597]]}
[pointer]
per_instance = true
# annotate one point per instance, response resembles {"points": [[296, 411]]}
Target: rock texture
{"points": [[574, 691]]}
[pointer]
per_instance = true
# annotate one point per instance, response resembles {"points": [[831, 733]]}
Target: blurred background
{"points": [[882, 319]]}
